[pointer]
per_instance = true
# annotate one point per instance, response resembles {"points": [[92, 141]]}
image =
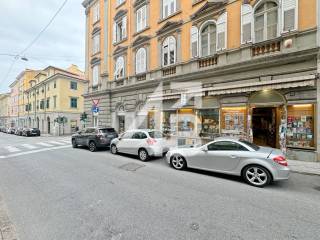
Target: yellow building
{"points": [[202, 68], [53, 100], [5, 109]]}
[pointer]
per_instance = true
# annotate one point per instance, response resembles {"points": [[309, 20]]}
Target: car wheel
{"points": [[178, 162], [143, 155], [257, 176], [74, 143], [114, 149], [92, 146]]}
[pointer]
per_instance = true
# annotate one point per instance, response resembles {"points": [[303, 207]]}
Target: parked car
{"points": [[143, 143], [3, 129], [31, 132], [11, 130], [257, 165], [19, 131], [94, 138]]}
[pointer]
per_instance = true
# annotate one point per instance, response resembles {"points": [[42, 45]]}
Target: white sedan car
{"points": [[141, 142], [257, 165]]}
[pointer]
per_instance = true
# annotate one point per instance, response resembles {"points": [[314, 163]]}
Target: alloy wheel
{"points": [[257, 176], [113, 149], [178, 162], [92, 147], [143, 155]]}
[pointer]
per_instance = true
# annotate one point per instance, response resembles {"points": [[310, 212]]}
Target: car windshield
{"points": [[253, 146], [156, 134], [107, 130]]}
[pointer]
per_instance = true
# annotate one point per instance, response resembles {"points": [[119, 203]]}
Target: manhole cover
{"points": [[131, 166]]}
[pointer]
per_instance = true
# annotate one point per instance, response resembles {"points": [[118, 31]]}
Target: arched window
{"points": [[119, 68], [246, 23], [194, 34], [141, 60], [169, 50], [208, 39], [266, 21]]}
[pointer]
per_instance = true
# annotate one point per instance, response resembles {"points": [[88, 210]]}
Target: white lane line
{"points": [[33, 151], [12, 149], [45, 144], [57, 143], [29, 146], [65, 141]]}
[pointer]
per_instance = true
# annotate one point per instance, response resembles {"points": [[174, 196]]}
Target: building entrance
{"points": [[264, 125]]}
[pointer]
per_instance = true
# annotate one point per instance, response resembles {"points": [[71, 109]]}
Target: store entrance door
{"points": [[264, 126]]}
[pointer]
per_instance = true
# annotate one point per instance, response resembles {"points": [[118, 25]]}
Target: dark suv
{"points": [[31, 132], [94, 138]]}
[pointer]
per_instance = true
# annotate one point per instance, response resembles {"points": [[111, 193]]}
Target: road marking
{"points": [[65, 141], [12, 149], [29, 146], [33, 151], [45, 144], [57, 143]]}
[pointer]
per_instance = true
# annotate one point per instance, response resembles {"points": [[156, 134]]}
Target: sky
{"points": [[61, 45]]}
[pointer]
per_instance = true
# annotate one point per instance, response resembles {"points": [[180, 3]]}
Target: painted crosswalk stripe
{"points": [[28, 146], [66, 141], [12, 149], [45, 144], [57, 143]]}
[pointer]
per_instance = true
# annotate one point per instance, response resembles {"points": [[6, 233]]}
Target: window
{"points": [[141, 18], [95, 76], [96, 13], [208, 39], [222, 31], [127, 135], [55, 84], [266, 21], [246, 27], [42, 104], [141, 61], [48, 102], [119, 2], [289, 15], [96, 44], [73, 102], [119, 68], [226, 146], [169, 51], [194, 33], [120, 29], [169, 7], [139, 135], [74, 85], [54, 101]]}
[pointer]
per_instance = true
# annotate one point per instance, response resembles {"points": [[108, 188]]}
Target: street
{"points": [[53, 191]]}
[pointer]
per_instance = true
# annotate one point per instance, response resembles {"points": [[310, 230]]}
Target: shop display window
{"points": [[151, 120], [233, 120], [208, 123], [300, 126], [169, 122], [186, 120]]}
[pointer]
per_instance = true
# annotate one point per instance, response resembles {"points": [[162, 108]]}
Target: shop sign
{"points": [[183, 99]]}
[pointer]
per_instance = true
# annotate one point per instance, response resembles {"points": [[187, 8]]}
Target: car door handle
{"points": [[233, 156]]}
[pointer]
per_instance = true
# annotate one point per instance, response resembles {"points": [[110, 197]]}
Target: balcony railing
{"points": [[267, 48], [141, 77], [169, 71], [207, 62]]}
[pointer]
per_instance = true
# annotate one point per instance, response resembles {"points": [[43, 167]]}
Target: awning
{"points": [[294, 82]]}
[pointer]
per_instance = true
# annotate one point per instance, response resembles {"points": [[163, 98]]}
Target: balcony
{"points": [[169, 71], [208, 61], [141, 77], [266, 48]]}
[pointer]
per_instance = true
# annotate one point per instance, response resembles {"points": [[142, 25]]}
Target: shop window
{"points": [[151, 120], [208, 122], [233, 120], [300, 126], [186, 120], [169, 122]]}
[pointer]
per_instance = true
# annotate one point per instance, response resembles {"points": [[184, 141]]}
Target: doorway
{"points": [[264, 122], [121, 120], [48, 125]]}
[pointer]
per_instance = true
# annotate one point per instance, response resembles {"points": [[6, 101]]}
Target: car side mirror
{"points": [[119, 138], [205, 148]]}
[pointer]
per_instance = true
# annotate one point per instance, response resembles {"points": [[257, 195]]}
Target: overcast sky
{"points": [[62, 44]]}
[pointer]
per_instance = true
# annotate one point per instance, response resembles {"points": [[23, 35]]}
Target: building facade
{"points": [[4, 109], [199, 69]]}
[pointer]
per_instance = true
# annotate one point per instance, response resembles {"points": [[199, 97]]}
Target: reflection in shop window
{"points": [[186, 120], [208, 123], [300, 126], [169, 122], [151, 120]]}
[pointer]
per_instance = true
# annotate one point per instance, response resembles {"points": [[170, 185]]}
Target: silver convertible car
{"points": [[257, 165]]}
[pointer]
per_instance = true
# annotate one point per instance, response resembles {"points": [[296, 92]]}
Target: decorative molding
{"points": [[139, 3], [209, 7], [140, 40], [120, 14], [168, 26], [96, 30], [95, 61], [120, 50]]}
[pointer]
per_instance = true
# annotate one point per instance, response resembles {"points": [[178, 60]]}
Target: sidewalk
{"points": [[311, 168]]}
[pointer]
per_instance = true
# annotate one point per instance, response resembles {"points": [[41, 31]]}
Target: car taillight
{"points": [[151, 141], [280, 160]]}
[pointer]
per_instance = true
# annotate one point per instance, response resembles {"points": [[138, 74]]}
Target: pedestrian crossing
{"points": [[34, 146]]}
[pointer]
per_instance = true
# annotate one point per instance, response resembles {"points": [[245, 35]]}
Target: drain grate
{"points": [[131, 166]]}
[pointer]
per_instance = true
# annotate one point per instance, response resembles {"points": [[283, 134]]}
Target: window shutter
{"points": [[144, 60], [194, 34], [124, 27], [246, 28], [114, 34], [222, 31], [289, 15], [144, 17]]}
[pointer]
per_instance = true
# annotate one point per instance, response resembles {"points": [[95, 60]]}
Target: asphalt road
{"points": [[62, 193]]}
